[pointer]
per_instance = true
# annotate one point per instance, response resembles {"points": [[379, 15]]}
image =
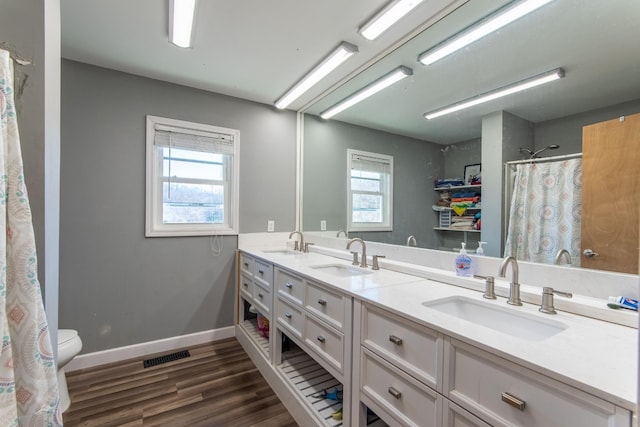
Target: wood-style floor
{"points": [[217, 386]]}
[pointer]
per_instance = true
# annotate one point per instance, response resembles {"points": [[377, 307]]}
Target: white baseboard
{"points": [[97, 358]]}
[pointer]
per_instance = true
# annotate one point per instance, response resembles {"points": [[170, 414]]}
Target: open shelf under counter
{"points": [[309, 379], [250, 326]]}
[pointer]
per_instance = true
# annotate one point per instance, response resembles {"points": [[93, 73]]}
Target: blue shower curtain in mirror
{"points": [[545, 212], [28, 381]]}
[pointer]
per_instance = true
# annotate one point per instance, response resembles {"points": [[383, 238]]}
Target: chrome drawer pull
{"points": [[260, 271], [260, 296], [246, 264], [396, 340], [287, 315], [246, 285], [288, 285], [322, 302], [513, 401], [395, 393], [321, 338]]}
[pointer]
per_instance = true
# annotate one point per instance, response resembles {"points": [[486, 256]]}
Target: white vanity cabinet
{"points": [[255, 289], [411, 375], [506, 394], [399, 367]]}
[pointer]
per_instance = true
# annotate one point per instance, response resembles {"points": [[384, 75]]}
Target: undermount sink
{"points": [[282, 252], [502, 319], [341, 270]]}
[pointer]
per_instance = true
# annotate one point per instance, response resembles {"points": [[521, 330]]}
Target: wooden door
{"points": [[611, 194]]}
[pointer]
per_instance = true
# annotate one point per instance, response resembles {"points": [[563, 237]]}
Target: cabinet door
{"points": [[455, 416], [505, 394], [327, 305], [397, 398], [413, 348], [289, 286]]}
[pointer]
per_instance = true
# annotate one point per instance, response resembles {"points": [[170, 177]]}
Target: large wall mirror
{"points": [[595, 42]]}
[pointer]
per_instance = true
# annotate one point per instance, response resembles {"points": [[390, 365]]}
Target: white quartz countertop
{"points": [[595, 356]]}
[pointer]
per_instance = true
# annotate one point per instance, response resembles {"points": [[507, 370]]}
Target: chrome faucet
{"points": [[410, 240], [341, 231], [514, 286], [363, 262], [297, 246], [560, 254]]}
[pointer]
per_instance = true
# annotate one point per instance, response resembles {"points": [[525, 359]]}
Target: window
{"points": [[370, 191], [192, 178]]}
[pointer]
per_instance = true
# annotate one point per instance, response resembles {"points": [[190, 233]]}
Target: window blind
{"points": [[370, 164], [194, 140]]}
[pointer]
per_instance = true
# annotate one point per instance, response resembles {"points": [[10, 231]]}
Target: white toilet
{"points": [[69, 345]]}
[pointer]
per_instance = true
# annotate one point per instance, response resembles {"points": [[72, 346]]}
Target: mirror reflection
{"points": [[594, 44]]}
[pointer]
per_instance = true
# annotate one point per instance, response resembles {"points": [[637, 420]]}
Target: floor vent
{"points": [[166, 358]]}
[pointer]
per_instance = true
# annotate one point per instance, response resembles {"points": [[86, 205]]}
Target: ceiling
{"points": [[257, 50]]}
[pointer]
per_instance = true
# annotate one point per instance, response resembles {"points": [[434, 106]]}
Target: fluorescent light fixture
{"points": [[181, 22], [537, 80], [480, 29], [375, 87], [388, 16], [338, 56]]}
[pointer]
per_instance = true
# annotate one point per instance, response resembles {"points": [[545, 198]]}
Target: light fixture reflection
{"points": [[388, 16], [181, 22], [537, 80], [482, 28], [375, 87], [338, 56]]}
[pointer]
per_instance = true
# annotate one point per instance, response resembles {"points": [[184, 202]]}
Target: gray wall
{"points": [[416, 164], [567, 131], [117, 287]]}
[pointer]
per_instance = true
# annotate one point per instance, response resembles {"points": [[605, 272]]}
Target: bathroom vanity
{"points": [[409, 350]]}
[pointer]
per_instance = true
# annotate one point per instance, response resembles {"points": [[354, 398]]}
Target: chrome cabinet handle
{"points": [[288, 285], [246, 285], [246, 264], [322, 302], [287, 315], [321, 338], [395, 393], [396, 340], [260, 296], [261, 271], [589, 253], [513, 401]]}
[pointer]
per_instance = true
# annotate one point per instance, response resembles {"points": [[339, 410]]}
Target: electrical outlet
{"points": [[323, 225], [271, 225]]}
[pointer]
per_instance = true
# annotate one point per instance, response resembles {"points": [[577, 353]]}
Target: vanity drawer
{"points": [[262, 298], [411, 347], [290, 317], [484, 384], [406, 400], [263, 273], [246, 286], [455, 416], [326, 341], [327, 305], [290, 286], [246, 264]]}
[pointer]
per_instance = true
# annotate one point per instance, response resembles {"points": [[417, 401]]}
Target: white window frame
{"points": [[154, 226], [387, 192]]}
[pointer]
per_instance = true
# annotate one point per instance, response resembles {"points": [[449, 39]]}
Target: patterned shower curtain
{"points": [[545, 212], [28, 381]]}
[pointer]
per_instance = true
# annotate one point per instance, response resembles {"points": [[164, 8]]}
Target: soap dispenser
{"points": [[480, 251], [463, 263]]}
